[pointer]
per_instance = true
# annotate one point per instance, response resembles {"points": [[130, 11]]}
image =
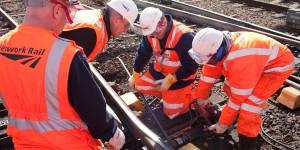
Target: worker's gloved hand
{"points": [[133, 78], [167, 82], [202, 102], [218, 128], [117, 141]]}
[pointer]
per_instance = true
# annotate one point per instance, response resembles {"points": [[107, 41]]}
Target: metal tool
{"points": [[147, 105]]}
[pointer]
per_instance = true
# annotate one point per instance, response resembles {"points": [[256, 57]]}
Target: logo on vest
{"points": [[22, 54]]}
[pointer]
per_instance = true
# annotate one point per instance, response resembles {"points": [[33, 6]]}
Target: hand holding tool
{"points": [[218, 128], [118, 140]]}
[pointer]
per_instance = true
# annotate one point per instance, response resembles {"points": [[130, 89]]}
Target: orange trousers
{"points": [[175, 102], [248, 122]]}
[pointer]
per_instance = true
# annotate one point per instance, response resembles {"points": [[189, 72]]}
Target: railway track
{"points": [[137, 128], [280, 6], [6, 22]]}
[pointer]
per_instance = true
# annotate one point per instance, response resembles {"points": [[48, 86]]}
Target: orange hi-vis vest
{"points": [[94, 20], [168, 62], [34, 74], [251, 55]]}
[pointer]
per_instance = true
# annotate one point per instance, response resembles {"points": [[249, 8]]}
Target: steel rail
{"points": [[292, 84], [147, 105], [136, 126], [6, 18], [219, 16], [213, 22], [268, 6]]}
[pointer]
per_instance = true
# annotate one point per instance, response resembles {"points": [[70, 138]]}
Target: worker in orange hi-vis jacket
{"points": [[52, 99], [172, 74], [254, 65], [92, 29]]}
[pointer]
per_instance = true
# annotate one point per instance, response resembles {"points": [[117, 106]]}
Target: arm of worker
{"points": [[143, 55], [189, 66], [88, 101], [209, 75], [83, 37]]}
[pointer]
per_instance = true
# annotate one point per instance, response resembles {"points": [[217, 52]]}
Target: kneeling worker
{"points": [[172, 74]]}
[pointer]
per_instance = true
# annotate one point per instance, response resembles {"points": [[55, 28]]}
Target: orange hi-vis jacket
{"points": [[94, 20], [167, 61], [34, 74], [251, 65]]}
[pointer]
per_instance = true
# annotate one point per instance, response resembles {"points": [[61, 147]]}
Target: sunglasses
{"points": [[70, 10]]}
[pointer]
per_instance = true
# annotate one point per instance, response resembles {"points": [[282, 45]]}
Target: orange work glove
{"points": [[167, 82], [133, 78]]}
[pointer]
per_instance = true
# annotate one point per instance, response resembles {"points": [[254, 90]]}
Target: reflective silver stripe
{"points": [[172, 106], [226, 82], [274, 53], [232, 105], [87, 16], [154, 45], [91, 20], [257, 100], [208, 79], [158, 81], [174, 115], [241, 91], [83, 126], [55, 121], [51, 77], [43, 126], [238, 91], [145, 78], [281, 69], [180, 27], [247, 52], [251, 108], [168, 63], [145, 88], [103, 32]]}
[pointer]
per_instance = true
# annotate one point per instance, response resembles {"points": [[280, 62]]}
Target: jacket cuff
{"points": [[228, 116]]}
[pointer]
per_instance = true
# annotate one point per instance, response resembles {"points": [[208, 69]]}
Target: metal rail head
{"points": [[12, 23], [135, 123]]}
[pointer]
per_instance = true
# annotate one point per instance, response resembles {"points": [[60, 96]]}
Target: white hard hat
{"points": [[149, 19], [126, 8], [205, 43]]}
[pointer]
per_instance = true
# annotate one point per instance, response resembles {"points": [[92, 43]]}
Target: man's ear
{"points": [[56, 11]]}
